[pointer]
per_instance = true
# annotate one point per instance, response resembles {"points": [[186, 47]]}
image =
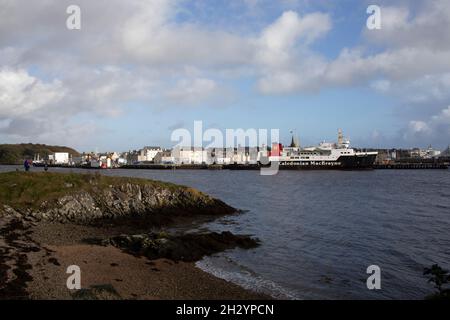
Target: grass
{"points": [[17, 153], [31, 189]]}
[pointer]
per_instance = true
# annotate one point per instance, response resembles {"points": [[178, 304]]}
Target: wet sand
{"points": [[130, 277], [41, 252]]}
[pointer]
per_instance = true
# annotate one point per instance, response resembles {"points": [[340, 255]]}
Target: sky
{"points": [[139, 69]]}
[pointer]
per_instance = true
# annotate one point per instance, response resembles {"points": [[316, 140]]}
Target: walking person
{"points": [[26, 165]]}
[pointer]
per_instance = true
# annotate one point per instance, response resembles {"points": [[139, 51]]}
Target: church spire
{"points": [[294, 142]]}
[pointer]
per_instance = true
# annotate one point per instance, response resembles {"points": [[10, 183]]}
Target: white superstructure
{"points": [[325, 154]]}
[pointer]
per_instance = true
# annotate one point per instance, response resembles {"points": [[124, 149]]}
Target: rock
{"points": [[10, 212], [187, 247], [97, 292], [128, 202]]}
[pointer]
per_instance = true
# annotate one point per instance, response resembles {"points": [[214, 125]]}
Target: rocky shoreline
{"points": [[114, 229], [115, 199]]}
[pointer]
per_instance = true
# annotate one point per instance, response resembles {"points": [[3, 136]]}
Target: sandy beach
{"points": [[39, 253]]}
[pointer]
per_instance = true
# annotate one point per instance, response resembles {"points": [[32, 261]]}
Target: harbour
{"points": [[322, 166], [337, 155]]}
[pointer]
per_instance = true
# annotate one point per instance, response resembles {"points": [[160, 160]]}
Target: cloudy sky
{"points": [[139, 69]]}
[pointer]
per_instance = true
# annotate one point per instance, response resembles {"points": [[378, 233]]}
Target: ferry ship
{"points": [[324, 156]]}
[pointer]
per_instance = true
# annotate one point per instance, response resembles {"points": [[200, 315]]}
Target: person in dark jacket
{"points": [[26, 165]]}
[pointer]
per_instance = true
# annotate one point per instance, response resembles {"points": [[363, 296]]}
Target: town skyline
{"points": [[137, 149], [286, 140]]}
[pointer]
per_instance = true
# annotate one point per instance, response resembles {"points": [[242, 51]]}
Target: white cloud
{"points": [[32, 108], [285, 62], [408, 48], [151, 36], [192, 91], [419, 127], [285, 32], [427, 27], [21, 93], [435, 128], [443, 117], [423, 90]]}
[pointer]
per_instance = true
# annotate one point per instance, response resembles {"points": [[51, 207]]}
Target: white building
{"points": [[244, 155], [148, 154], [61, 158], [105, 161], [432, 153], [114, 156], [164, 157], [220, 155], [224, 156], [428, 153], [121, 161], [189, 155]]}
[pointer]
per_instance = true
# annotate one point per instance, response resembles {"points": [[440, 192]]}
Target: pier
{"points": [[412, 166]]}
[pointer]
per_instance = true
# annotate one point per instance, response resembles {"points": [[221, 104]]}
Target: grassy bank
{"points": [[29, 189], [16, 153]]}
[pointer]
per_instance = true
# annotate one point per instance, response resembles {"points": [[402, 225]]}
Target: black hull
{"points": [[358, 162], [365, 162]]}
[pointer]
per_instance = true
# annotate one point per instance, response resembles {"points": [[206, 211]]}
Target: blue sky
{"points": [[135, 72]]}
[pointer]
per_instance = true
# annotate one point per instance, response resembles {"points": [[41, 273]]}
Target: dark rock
{"points": [[98, 292], [54, 261], [187, 247]]}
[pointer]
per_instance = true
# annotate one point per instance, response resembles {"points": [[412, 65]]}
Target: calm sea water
{"points": [[320, 230]]}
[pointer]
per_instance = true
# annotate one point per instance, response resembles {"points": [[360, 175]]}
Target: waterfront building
{"points": [[220, 156], [86, 158], [241, 155], [428, 153], [121, 161], [105, 161], [61, 158], [431, 153], [114, 156], [225, 156], [253, 155], [189, 155], [164, 157], [77, 160], [132, 157], [445, 154], [147, 154]]}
